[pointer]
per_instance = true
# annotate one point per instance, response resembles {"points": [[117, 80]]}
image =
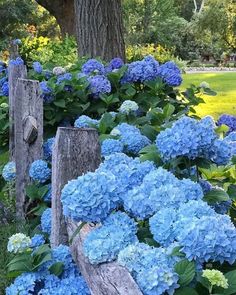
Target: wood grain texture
{"points": [[28, 102], [103, 279], [75, 152], [99, 28], [14, 73]]}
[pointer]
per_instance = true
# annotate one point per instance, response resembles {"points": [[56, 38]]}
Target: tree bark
{"points": [[63, 11], [99, 28]]}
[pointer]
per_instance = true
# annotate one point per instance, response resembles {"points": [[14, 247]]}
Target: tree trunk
{"points": [[63, 11], [99, 28]]}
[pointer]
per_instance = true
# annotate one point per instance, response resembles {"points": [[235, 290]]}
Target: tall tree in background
{"points": [[100, 28], [63, 11]]}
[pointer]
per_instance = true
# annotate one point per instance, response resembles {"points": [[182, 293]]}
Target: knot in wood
{"points": [[30, 129]]}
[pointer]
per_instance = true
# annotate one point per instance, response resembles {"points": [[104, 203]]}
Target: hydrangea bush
{"points": [[162, 201]]}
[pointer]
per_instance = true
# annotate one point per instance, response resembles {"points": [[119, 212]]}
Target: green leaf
{"points": [[216, 195], [57, 268], [186, 271], [186, 291], [222, 129], [82, 224], [106, 123], [231, 277], [176, 252], [60, 103], [150, 132], [32, 192], [232, 191], [168, 110]]}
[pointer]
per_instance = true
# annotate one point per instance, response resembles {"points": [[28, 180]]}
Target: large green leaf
{"points": [[216, 195], [57, 268], [186, 291], [231, 277], [186, 271]]}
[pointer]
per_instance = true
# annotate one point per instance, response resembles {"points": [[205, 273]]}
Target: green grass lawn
{"points": [[225, 86]]}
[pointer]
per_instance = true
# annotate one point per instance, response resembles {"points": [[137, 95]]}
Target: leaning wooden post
{"points": [[14, 73], [76, 152], [28, 135]]}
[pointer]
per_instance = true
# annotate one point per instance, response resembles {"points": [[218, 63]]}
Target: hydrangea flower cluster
{"points": [[141, 71], [216, 278], [92, 66], [115, 64], [5, 88], [104, 243], [89, 198], [16, 62], [171, 74], [98, 85], [131, 137], [85, 122], [37, 67], [210, 238], [191, 138], [46, 221], [47, 148], [39, 171], [37, 240], [151, 267], [9, 171], [111, 146], [159, 189], [59, 71], [47, 94], [228, 120], [128, 106], [18, 243]]}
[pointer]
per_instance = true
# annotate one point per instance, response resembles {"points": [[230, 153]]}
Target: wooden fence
{"points": [[76, 151]]}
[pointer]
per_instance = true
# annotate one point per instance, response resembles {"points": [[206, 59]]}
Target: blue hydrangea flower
{"points": [[191, 138], [47, 148], [48, 196], [131, 137], [39, 171], [24, 284], [18, 243], [5, 88], [191, 189], [99, 84], [161, 226], [64, 77], [210, 238], [46, 221], [85, 122], [47, 94], [111, 146], [128, 172], [89, 198], [16, 62], [141, 71], [104, 243], [37, 67], [116, 63], [37, 240], [9, 171], [2, 81], [140, 258], [69, 286], [158, 280], [228, 120], [220, 152], [231, 137], [92, 66], [128, 106], [171, 74]]}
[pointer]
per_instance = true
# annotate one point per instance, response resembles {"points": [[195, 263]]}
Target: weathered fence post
{"points": [[77, 151], [14, 73], [28, 115]]}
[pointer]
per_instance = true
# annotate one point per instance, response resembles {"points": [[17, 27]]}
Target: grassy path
{"points": [[224, 84]]}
